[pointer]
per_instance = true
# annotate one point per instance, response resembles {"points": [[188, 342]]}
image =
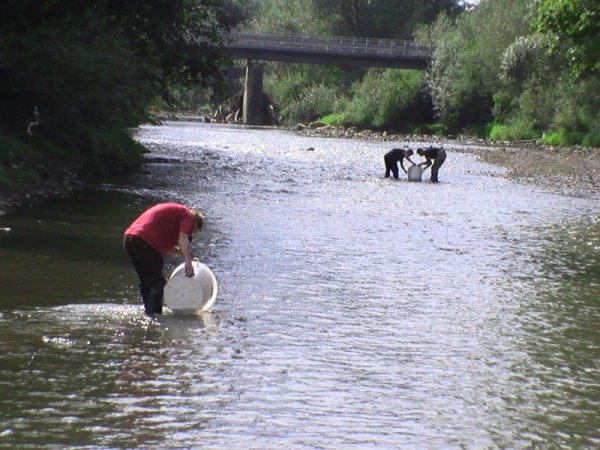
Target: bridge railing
{"points": [[340, 44]]}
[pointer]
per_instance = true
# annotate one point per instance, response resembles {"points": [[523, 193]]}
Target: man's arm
{"points": [[402, 164], [184, 248], [426, 164]]}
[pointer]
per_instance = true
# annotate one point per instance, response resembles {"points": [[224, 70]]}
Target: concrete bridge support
{"points": [[253, 93]]}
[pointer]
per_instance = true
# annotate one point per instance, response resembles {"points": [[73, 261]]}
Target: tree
{"points": [[574, 26], [383, 18], [307, 93], [467, 69], [287, 16], [90, 68]]}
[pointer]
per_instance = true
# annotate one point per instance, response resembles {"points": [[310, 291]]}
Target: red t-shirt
{"points": [[160, 226]]}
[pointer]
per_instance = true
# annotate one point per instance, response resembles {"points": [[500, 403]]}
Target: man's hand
{"points": [[189, 269], [184, 246]]}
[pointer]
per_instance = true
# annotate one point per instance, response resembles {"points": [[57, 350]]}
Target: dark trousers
{"points": [[391, 165], [439, 160], [148, 263]]}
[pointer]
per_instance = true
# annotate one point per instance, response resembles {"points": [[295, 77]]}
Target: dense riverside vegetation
{"points": [[78, 75], [504, 69], [376, 99]]}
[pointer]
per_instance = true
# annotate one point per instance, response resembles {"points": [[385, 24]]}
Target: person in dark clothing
{"points": [[437, 155], [393, 157], [163, 229]]}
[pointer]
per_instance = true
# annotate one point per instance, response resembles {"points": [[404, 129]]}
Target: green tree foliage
{"points": [[503, 67], [305, 93], [385, 19], [539, 91], [287, 16], [84, 71], [495, 70], [387, 99], [574, 28], [467, 69]]}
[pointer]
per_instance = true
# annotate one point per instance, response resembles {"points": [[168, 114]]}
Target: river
{"points": [[354, 311]]}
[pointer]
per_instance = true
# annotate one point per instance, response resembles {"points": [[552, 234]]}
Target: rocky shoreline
{"points": [[573, 170]]}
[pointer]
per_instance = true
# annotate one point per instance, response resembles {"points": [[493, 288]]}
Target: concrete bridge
{"points": [[331, 50]]}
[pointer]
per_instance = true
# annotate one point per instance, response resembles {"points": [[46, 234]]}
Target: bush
{"points": [[15, 166], [387, 99], [304, 92], [9, 149], [480, 130], [333, 120], [592, 139], [436, 129], [18, 155], [314, 102], [112, 150], [563, 138], [512, 132], [17, 175]]}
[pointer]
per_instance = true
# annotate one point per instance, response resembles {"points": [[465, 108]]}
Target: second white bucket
{"points": [[190, 295], [415, 173]]}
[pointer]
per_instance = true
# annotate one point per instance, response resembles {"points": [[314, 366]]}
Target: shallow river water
{"points": [[354, 312]]}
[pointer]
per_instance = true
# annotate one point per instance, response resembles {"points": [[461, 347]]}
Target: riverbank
{"points": [[576, 171]]}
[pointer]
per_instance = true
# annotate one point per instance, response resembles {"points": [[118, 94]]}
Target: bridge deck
{"points": [[334, 50]]}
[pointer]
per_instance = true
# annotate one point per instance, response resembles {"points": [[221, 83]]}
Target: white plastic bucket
{"points": [[415, 173], [189, 295]]}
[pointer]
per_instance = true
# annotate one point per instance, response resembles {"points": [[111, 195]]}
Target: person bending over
{"points": [[435, 155], [393, 157], [166, 228]]}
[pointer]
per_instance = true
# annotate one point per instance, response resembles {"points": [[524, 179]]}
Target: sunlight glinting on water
{"points": [[353, 311]]}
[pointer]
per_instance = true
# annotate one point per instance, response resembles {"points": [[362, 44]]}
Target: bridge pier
{"points": [[253, 93]]}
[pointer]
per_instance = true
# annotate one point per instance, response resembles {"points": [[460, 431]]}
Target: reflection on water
{"points": [[353, 311], [84, 371], [64, 250], [561, 377]]}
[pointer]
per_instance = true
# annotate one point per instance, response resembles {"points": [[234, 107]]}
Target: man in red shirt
{"points": [[163, 229]]}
